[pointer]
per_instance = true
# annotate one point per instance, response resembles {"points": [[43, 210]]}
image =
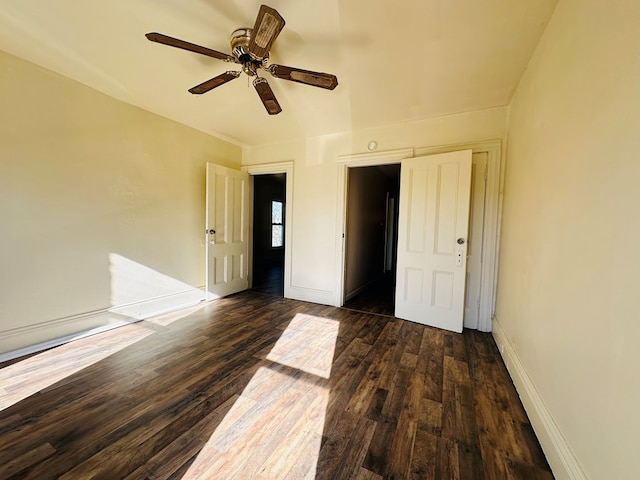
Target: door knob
{"points": [[212, 232], [460, 241]]}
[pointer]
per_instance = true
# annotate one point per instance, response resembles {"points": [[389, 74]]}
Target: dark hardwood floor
{"points": [[257, 386]]}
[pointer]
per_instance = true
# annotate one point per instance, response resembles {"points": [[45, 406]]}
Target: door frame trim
{"points": [[492, 213], [345, 162], [268, 169]]}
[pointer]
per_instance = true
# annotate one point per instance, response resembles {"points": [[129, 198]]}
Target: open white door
{"points": [[227, 231], [432, 239]]}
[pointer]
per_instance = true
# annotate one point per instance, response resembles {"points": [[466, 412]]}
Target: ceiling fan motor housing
{"points": [[240, 39]]}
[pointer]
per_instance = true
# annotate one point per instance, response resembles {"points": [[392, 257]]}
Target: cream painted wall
{"points": [[315, 183], [101, 204], [568, 280]]}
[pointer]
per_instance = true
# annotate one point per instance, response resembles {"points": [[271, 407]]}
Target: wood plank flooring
{"points": [[256, 386]]}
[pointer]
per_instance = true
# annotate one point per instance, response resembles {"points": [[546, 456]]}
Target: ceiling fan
{"points": [[250, 48]]}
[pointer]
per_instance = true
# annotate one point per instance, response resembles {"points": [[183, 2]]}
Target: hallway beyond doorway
{"points": [[378, 298], [269, 224], [270, 281]]}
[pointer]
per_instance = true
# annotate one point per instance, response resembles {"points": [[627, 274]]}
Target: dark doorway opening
{"points": [[371, 238], [269, 223]]}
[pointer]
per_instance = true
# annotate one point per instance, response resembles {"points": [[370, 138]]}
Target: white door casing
{"points": [[434, 218], [487, 263], [270, 169], [227, 231], [475, 240]]}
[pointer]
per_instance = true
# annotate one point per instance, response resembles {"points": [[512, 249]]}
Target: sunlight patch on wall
{"points": [[138, 291], [274, 428], [24, 378]]}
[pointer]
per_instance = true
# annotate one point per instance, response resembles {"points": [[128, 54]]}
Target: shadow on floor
{"points": [[379, 297], [269, 280]]}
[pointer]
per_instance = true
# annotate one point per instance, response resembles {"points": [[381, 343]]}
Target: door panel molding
{"points": [[491, 223], [226, 235], [432, 239]]}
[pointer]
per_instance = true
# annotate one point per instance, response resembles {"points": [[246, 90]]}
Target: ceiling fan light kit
{"points": [[250, 48]]}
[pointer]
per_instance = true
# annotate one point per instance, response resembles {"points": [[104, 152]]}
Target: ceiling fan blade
{"points": [[221, 79], [266, 95], [268, 26], [192, 47], [315, 79]]}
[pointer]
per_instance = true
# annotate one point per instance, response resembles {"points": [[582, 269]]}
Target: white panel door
{"points": [[227, 231], [432, 239]]}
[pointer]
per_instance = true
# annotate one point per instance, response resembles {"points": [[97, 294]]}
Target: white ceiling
{"points": [[395, 61]]}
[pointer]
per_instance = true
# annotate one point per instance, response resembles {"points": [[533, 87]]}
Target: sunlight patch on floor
{"points": [[307, 344], [137, 292], [274, 429], [26, 377]]}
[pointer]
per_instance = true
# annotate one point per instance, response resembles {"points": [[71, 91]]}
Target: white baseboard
{"points": [[162, 304], [558, 452], [29, 339], [322, 297], [356, 291], [38, 347]]}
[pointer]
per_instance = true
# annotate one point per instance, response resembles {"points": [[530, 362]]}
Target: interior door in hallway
{"points": [[432, 239], [227, 231]]}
